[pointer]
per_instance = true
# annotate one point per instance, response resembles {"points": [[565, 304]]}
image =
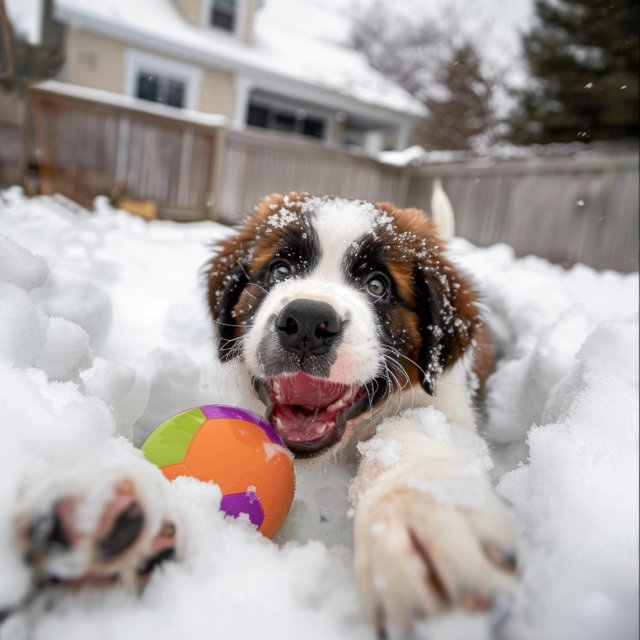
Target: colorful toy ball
{"points": [[236, 449]]}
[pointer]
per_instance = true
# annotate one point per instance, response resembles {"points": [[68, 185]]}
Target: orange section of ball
{"points": [[276, 483], [228, 452], [271, 524], [172, 471]]}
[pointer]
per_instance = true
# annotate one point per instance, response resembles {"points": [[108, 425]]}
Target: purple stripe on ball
{"points": [[236, 503], [213, 411]]}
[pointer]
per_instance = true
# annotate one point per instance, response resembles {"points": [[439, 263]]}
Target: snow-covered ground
{"points": [[104, 331]]}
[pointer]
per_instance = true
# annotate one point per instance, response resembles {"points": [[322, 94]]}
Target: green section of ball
{"points": [[169, 443]]}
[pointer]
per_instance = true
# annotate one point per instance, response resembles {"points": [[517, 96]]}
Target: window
{"points": [[313, 127], [258, 116], [283, 119], [156, 88], [162, 80], [223, 14]]}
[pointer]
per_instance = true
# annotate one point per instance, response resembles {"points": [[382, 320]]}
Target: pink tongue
{"points": [[305, 390], [300, 426]]}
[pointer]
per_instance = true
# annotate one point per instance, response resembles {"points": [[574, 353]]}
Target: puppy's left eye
{"points": [[377, 286], [280, 270]]}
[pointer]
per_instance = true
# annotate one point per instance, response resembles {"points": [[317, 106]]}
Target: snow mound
{"points": [[107, 334], [577, 496], [23, 326], [20, 267]]}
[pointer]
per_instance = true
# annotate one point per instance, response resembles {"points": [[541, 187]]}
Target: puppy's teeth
{"points": [[344, 400], [321, 430], [278, 422]]}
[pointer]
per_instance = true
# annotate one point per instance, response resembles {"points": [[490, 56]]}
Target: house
{"points": [[257, 62]]}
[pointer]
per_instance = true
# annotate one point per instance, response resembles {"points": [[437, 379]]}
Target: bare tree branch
{"points": [[436, 63]]}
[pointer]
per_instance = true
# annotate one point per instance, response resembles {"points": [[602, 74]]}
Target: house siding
{"points": [[192, 10], [218, 92], [94, 61]]}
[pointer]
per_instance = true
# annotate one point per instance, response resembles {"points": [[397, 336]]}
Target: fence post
{"points": [[217, 178], [406, 174]]}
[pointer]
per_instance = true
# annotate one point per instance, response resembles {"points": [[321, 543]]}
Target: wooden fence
{"points": [[575, 208], [11, 154], [92, 142], [256, 164]]}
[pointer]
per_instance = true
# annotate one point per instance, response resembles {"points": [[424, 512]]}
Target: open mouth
{"points": [[310, 413]]}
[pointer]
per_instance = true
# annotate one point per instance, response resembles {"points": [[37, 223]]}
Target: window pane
{"points": [[258, 116], [147, 86], [284, 122], [175, 93], [156, 88], [313, 127], [223, 14], [280, 119]]}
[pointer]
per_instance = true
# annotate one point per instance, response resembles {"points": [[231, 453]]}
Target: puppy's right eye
{"points": [[280, 270]]}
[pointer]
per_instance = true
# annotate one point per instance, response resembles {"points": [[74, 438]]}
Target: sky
{"points": [[25, 17]]}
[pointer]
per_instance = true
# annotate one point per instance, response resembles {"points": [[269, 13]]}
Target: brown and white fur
{"points": [[344, 316]]}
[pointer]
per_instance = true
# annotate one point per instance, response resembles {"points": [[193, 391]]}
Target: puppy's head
{"points": [[334, 304]]}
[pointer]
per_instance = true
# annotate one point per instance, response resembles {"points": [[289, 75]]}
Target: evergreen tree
{"points": [[583, 57]]}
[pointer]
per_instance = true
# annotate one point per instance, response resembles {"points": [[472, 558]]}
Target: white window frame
{"points": [[137, 61]]}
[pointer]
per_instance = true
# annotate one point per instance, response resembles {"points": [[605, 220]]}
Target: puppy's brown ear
{"points": [[227, 276], [446, 306], [228, 273]]}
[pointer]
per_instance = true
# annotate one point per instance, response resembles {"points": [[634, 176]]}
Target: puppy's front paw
{"points": [[84, 528], [415, 557]]}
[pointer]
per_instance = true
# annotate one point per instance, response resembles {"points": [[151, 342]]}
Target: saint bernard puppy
{"points": [[359, 337], [346, 316]]}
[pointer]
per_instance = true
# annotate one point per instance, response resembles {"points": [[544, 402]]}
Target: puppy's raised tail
{"points": [[442, 211]]}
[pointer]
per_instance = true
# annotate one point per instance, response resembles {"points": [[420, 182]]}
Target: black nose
{"points": [[308, 327]]}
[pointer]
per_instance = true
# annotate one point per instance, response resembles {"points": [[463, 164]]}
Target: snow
{"points": [[19, 267], [417, 155], [104, 331], [384, 452]]}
